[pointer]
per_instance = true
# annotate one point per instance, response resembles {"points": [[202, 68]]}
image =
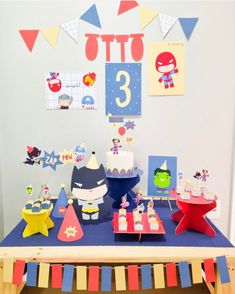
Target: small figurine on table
{"points": [[116, 146], [205, 175], [138, 198], [29, 190], [124, 203]]}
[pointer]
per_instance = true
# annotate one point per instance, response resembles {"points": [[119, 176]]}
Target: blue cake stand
{"points": [[120, 185]]}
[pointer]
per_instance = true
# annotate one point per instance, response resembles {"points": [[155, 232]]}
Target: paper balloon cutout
{"points": [[61, 204], [121, 131], [70, 229]]}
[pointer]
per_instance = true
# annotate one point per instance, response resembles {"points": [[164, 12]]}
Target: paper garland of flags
{"points": [[95, 278]]}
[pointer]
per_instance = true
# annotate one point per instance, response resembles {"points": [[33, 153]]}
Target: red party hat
{"points": [[30, 149], [70, 229]]}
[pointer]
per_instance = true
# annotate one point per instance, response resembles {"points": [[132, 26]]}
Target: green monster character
{"points": [[162, 178]]}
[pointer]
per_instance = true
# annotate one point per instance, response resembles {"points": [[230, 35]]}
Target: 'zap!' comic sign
{"points": [[54, 83]]}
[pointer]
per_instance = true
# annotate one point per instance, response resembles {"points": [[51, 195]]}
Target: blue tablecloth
{"points": [[102, 235]]}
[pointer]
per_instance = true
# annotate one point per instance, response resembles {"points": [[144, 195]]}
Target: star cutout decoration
{"points": [[51, 160], [70, 231], [129, 125]]}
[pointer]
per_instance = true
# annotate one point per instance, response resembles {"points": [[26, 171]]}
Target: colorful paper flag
{"points": [[51, 35], [32, 274], [43, 279], [209, 270], [106, 278], [188, 25], [166, 22], [159, 279], [146, 276], [171, 275], [93, 278], [29, 37], [18, 272], [126, 5], [120, 279], [133, 279], [197, 271], [67, 283], [56, 276], [71, 28], [81, 278], [223, 269], [91, 16], [146, 16], [185, 278], [8, 267]]}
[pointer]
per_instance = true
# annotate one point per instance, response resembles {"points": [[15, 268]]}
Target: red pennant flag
{"points": [[70, 229], [171, 275], [56, 279], [126, 5], [29, 37], [93, 278], [18, 272], [133, 280], [209, 270]]}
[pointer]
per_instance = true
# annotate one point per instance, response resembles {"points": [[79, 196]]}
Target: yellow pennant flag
{"points": [[81, 278], [196, 271], [146, 16], [159, 279], [43, 279], [120, 278], [51, 35], [8, 265]]}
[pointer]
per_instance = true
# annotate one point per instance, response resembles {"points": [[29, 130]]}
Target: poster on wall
{"points": [[162, 176], [166, 69], [71, 90], [123, 88]]}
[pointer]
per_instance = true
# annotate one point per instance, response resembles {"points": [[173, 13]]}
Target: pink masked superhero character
{"points": [[166, 63]]}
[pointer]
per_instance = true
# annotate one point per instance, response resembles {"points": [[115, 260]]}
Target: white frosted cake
{"points": [[121, 163]]}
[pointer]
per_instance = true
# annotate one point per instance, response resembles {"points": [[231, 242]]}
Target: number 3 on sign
{"points": [[123, 88]]}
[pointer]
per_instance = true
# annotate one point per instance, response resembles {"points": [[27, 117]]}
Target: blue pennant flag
{"points": [[91, 16], [188, 24], [32, 274], [223, 269], [67, 283], [146, 276], [106, 278], [185, 277]]}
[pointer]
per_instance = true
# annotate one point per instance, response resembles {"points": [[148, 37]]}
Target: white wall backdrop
{"points": [[196, 127]]}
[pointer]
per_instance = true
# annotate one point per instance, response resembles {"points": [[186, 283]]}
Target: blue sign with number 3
{"points": [[123, 88]]}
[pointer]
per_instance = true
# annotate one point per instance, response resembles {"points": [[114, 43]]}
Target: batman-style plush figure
{"points": [[89, 185]]}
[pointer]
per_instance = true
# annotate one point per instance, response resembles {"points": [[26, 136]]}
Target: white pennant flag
{"points": [[167, 23], [71, 28]]}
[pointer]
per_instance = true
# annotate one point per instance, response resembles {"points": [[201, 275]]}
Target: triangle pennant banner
{"points": [[91, 16], [167, 23], [126, 5], [51, 35], [188, 25], [71, 28], [29, 37], [146, 16]]}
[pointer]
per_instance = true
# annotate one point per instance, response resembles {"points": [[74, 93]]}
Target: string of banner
{"points": [[95, 278], [91, 16]]}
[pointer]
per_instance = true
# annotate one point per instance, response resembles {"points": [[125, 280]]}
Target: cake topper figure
{"points": [[205, 175], [80, 152], [197, 175], [33, 156], [29, 190], [124, 203], [151, 204], [138, 198], [89, 185], [116, 146], [162, 178]]}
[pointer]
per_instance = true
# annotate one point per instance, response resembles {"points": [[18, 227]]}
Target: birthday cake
{"points": [[121, 163]]}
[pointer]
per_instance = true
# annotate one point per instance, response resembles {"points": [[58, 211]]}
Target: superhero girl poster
{"points": [[162, 175], [66, 91], [166, 69]]}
